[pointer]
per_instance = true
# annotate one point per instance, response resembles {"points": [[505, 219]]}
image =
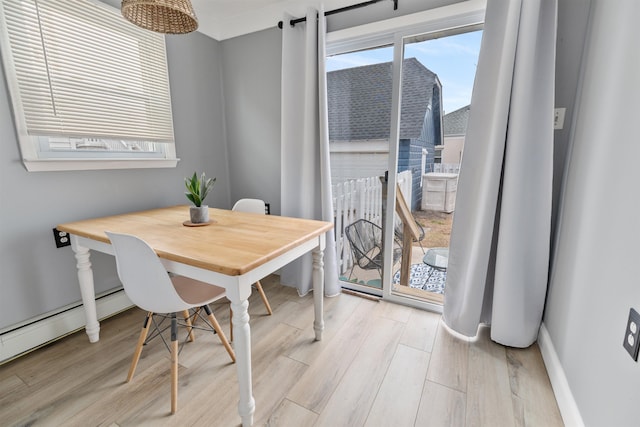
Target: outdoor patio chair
{"points": [[365, 241]]}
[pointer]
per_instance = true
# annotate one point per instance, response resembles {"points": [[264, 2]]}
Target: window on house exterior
{"points": [[89, 90]]}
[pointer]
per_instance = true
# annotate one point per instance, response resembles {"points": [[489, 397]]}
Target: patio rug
{"points": [[419, 275]]}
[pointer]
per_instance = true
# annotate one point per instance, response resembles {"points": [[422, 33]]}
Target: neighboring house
{"points": [[455, 129], [360, 118]]}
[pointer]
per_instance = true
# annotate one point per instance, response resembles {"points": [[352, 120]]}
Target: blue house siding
{"points": [[410, 158], [410, 155]]}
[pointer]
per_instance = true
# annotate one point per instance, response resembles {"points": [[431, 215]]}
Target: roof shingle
{"points": [[360, 101], [455, 123]]}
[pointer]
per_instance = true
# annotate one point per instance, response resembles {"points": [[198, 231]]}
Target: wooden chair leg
{"points": [[187, 321], [220, 332], [264, 297], [174, 364], [136, 354]]}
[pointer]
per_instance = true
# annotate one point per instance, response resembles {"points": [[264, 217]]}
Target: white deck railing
{"points": [[360, 199]]}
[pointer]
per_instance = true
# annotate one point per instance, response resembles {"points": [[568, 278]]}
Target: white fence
{"points": [[446, 167], [360, 199]]}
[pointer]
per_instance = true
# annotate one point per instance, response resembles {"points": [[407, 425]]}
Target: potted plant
{"points": [[198, 188]]}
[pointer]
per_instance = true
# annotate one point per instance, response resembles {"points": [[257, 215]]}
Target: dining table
{"points": [[233, 250]]}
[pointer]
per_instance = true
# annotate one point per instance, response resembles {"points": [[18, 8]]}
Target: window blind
{"points": [[82, 70]]}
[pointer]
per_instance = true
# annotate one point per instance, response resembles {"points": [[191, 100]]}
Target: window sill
{"points": [[44, 165]]}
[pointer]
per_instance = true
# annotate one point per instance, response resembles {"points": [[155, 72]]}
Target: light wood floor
{"points": [[379, 364]]}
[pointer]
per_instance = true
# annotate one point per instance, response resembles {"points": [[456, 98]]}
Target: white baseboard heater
{"points": [[34, 333]]}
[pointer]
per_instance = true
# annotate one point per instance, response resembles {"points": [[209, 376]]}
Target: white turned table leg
{"points": [[318, 291], [85, 278], [242, 347]]}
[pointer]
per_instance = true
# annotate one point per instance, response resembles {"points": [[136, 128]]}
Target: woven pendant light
{"points": [[161, 16]]}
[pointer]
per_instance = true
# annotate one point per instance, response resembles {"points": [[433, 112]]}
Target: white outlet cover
{"points": [[558, 118]]}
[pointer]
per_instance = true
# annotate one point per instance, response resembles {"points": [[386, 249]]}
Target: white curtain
{"points": [[499, 251], [306, 175]]}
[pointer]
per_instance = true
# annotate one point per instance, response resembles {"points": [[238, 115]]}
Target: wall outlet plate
{"points": [[61, 237], [558, 118], [632, 334]]}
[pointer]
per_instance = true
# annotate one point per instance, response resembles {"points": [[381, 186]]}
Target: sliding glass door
{"points": [[359, 87], [437, 80], [389, 96]]}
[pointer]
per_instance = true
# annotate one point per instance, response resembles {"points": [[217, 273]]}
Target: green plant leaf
{"points": [[191, 198], [198, 188]]}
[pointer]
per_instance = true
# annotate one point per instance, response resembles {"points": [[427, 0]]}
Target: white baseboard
{"points": [[567, 404], [53, 326]]}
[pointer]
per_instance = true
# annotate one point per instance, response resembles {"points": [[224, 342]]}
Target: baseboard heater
{"points": [[37, 332]]}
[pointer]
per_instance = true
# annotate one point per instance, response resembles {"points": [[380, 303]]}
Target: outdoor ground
{"points": [[437, 226]]}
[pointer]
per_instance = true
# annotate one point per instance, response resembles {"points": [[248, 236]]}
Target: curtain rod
{"points": [[293, 22]]}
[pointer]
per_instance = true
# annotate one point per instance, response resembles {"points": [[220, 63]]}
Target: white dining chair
{"points": [[149, 286]]}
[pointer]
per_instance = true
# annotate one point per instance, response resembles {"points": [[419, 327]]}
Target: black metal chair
{"points": [[365, 241]]}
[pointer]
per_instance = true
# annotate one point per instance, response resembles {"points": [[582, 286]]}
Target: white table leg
{"points": [[242, 347], [318, 291], [85, 278]]}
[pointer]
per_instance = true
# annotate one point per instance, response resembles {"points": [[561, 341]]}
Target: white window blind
{"points": [[83, 71]]}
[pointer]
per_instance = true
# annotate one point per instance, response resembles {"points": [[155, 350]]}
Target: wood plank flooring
{"points": [[379, 364]]}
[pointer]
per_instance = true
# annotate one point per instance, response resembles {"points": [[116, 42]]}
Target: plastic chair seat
{"points": [[195, 292]]}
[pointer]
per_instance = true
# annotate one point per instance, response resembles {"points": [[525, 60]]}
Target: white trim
{"points": [[567, 404], [52, 326], [360, 146], [382, 33], [394, 143], [46, 165]]}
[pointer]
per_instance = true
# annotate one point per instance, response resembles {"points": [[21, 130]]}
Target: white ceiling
{"points": [[223, 19]]}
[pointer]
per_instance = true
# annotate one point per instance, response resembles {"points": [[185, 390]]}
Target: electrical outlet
{"points": [[558, 118], [632, 334], [61, 237]]}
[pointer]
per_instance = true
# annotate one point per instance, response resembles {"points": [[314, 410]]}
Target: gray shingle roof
{"points": [[455, 123], [360, 101]]}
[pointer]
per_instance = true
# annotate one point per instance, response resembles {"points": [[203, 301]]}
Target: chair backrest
{"points": [[365, 239], [250, 205], [145, 280]]}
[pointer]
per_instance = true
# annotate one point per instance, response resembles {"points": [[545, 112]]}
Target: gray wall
{"points": [[36, 277], [594, 278], [251, 72], [573, 16]]}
